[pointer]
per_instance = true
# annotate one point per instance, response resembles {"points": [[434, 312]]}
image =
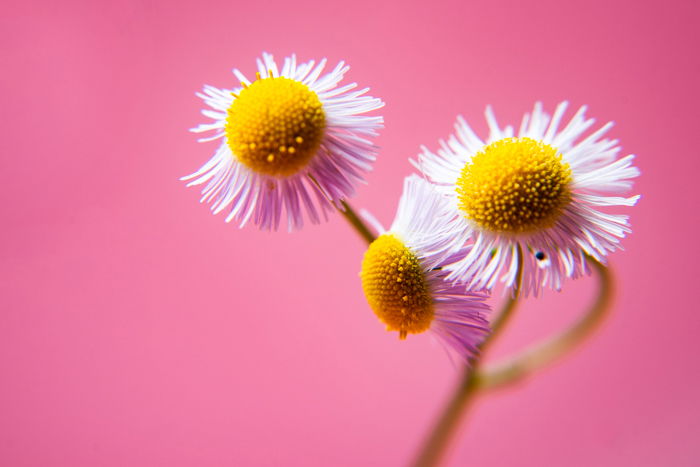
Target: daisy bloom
{"points": [[404, 281], [536, 202], [292, 140]]}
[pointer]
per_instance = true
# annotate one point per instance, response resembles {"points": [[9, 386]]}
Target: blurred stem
{"points": [[541, 355], [517, 368], [434, 448], [508, 308], [475, 379], [355, 221]]}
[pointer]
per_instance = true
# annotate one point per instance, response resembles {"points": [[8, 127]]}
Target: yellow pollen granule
{"points": [[275, 126], [396, 287], [515, 185]]}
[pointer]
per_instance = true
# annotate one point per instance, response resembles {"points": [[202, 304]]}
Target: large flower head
{"points": [[404, 280], [538, 202], [292, 140]]}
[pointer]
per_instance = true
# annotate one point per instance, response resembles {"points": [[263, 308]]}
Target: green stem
{"points": [[435, 446], [541, 355], [349, 214], [356, 222], [515, 369], [508, 308]]}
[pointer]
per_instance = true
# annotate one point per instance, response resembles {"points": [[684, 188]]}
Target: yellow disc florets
{"points": [[395, 286], [275, 126], [515, 185]]}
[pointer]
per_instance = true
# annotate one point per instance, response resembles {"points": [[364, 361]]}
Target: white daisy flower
{"points": [[544, 192], [404, 280], [291, 140]]}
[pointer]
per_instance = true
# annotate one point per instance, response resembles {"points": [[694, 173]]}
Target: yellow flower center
{"points": [[396, 287], [275, 126], [515, 185]]}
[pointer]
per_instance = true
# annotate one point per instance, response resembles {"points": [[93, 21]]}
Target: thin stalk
{"points": [[435, 446], [508, 308], [355, 221], [348, 213], [541, 355], [476, 380]]}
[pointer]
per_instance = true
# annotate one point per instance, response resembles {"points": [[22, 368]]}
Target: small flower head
{"points": [[543, 192], [404, 281], [396, 286], [292, 140]]}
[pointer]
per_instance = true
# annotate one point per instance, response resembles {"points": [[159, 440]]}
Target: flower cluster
{"points": [[533, 204]]}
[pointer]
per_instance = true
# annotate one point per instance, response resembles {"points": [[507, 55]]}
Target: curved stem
{"points": [[508, 308], [515, 369], [434, 448], [541, 355], [355, 221]]}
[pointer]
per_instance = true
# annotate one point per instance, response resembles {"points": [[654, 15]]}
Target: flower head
{"points": [[292, 140], [544, 193], [404, 280]]}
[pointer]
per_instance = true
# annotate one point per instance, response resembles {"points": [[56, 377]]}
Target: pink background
{"points": [[138, 330]]}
